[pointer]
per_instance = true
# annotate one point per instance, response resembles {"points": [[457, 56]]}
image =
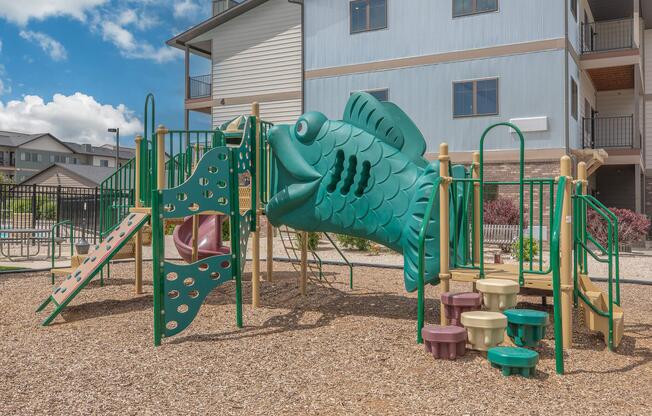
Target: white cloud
{"points": [[77, 117], [22, 11], [186, 9], [129, 47], [49, 45]]}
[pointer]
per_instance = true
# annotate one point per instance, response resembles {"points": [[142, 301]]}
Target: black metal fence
{"points": [[41, 207], [200, 86], [607, 35], [600, 132]]}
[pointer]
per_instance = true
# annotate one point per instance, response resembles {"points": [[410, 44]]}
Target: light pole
{"points": [[117, 146]]}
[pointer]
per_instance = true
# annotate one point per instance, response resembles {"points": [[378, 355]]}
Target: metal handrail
{"points": [[422, 257], [343, 258], [52, 230], [556, 275]]}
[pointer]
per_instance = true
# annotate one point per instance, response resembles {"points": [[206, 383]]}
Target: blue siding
{"points": [[530, 85], [423, 27]]}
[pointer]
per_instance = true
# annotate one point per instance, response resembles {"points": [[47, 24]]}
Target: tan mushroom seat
{"points": [[498, 294], [484, 329]]}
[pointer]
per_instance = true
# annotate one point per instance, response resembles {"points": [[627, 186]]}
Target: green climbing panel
{"points": [[526, 327], [513, 360], [187, 285]]}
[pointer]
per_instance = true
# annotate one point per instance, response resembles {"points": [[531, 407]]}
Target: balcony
{"points": [[199, 87], [609, 132], [607, 35]]}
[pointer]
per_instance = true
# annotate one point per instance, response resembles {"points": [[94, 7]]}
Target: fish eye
{"points": [[308, 126]]}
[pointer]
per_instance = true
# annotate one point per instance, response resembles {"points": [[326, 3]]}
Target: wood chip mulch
{"points": [[336, 351]]}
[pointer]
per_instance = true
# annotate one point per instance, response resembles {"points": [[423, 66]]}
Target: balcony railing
{"points": [[603, 132], [607, 35], [200, 86]]}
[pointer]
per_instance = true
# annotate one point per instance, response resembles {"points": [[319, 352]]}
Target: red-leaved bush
{"points": [[631, 226], [503, 211]]}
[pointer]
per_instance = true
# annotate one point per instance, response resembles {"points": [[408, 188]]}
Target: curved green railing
{"points": [[422, 257], [556, 274]]}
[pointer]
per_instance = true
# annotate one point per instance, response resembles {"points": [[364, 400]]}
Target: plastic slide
{"points": [[209, 237]]}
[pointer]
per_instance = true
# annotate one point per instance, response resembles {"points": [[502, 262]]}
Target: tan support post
{"points": [[444, 225], [195, 218], [566, 254], [138, 256], [255, 273], [270, 250], [476, 209], [304, 263], [161, 131], [582, 176]]}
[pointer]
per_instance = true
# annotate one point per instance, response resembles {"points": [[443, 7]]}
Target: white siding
{"points": [[257, 53], [46, 143], [616, 103], [56, 177]]}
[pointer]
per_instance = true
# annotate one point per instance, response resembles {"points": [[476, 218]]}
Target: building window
{"points": [[475, 98], [23, 156], [380, 94], [573, 6], [467, 7], [39, 157], [104, 163], [574, 99], [51, 158], [366, 15]]}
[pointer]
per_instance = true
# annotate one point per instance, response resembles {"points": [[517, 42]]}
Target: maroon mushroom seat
{"points": [[455, 304], [444, 342]]}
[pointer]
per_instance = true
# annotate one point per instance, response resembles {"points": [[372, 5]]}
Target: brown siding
{"points": [[57, 176], [615, 186]]}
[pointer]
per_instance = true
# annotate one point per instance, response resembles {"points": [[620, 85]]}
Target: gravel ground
{"points": [[335, 351]]}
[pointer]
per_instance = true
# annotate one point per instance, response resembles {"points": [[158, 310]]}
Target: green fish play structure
{"points": [[367, 176]]}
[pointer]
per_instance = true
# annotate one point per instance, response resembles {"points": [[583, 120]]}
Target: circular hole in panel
{"points": [[194, 207], [222, 156], [188, 281], [215, 275], [225, 264], [183, 308], [169, 207], [221, 184], [172, 276], [173, 294], [203, 267], [212, 169], [241, 156], [171, 325], [222, 200], [203, 181], [182, 196], [194, 294], [207, 194]]}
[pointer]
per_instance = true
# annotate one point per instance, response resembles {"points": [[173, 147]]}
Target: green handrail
{"points": [[556, 275], [521, 177], [422, 256], [52, 231], [343, 258]]}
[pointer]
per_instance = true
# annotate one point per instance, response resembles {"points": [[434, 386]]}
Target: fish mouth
{"points": [[296, 180]]}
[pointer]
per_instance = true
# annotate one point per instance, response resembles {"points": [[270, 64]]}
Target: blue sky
{"points": [[76, 67]]}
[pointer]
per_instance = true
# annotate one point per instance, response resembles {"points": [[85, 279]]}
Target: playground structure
{"points": [[365, 176]]}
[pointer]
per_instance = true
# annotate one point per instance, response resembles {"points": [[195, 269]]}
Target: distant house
{"points": [[24, 155], [78, 176]]}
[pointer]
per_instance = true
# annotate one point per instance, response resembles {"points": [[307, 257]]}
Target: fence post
{"points": [[444, 225], [33, 206], [255, 272]]}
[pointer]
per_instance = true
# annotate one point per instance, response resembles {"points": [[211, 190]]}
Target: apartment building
{"points": [[569, 73], [24, 155], [254, 51]]}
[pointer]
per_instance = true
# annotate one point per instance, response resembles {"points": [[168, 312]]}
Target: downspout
{"points": [[303, 56], [566, 82]]}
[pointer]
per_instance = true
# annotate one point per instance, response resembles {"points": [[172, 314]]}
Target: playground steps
{"points": [[503, 271], [97, 258], [600, 300]]}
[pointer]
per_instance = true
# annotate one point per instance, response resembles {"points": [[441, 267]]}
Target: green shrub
{"points": [[21, 205], [47, 210], [353, 242], [527, 244], [313, 240], [226, 230]]}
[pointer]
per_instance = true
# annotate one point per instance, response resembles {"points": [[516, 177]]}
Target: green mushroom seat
{"points": [[526, 327], [513, 360]]}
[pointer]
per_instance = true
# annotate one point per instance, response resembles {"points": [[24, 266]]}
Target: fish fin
{"points": [[412, 229], [387, 122]]}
